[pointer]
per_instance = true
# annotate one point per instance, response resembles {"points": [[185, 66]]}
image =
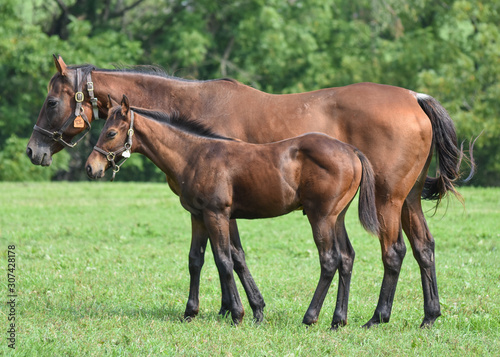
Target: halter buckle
{"points": [[79, 97], [110, 156], [90, 86]]}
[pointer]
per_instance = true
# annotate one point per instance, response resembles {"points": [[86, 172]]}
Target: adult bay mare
{"points": [[218, 179], [396, 128]]}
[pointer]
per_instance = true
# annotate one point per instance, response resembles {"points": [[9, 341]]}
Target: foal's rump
{"points": [[331, 168]]}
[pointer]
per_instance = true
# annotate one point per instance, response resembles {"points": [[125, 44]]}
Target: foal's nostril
{"points": [[29, 152], [89, 171]]}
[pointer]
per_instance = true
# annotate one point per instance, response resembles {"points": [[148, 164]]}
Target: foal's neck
{"points": [[170, 148]]}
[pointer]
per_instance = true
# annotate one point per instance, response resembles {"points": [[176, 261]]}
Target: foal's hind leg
{"points": [[422, 243], [329, 257], [345, 272], [254, 296], [217, 225], [196, 260]]}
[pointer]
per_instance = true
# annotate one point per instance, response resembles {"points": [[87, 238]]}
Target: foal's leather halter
{"points": [[125, 150], [79, 112]]}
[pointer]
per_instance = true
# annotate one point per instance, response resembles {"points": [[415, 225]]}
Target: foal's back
{"points": [[260, 181]]}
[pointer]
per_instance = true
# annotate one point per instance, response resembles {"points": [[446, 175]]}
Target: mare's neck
{"points": [[149, 91]]}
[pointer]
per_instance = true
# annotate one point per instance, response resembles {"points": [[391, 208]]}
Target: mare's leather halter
{"points": [[124, 151], [79, 112]]}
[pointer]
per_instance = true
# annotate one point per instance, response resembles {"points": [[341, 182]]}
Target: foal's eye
{"points": [[111, 134]]}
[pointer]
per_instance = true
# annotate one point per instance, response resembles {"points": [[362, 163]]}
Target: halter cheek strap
{"points": [[79, 112], [125, 150]]}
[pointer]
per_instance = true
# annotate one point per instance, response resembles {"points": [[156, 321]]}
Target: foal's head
{"points": [[115, 141]]}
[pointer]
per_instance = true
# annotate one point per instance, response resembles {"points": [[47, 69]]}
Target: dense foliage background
{"points": [[449, 49]]}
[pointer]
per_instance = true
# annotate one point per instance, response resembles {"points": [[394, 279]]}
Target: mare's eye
{"points": [[111, 134], [51, 103]]}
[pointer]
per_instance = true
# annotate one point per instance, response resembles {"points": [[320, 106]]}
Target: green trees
{"points": [[448, 49]]}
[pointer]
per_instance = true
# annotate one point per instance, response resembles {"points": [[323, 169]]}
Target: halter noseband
{"points": [[125, 150], [79, 112]]}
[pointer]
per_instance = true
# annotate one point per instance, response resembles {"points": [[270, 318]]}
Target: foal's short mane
{"points": [[180, 122], [142, 69]]}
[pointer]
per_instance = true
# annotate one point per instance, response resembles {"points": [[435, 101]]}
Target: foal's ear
{"points": [[60, 65], [125, 105]]}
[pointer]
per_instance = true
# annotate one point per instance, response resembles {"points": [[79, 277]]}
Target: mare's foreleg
{"points": [[393, 253], [218, 230], [422, 243], [329, 257], [254, 296]]}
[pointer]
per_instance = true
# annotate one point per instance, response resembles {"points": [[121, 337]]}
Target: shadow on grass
{"points": [[171, 313]]}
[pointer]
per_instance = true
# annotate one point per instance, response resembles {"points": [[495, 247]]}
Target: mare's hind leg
{"points": [[422, 243], [254, 296], [329, 257], [393, 253], [345, 272]]}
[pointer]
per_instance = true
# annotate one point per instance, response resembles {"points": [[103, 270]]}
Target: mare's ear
{"points": [[125, 105], [60, 65], [111, 102]]}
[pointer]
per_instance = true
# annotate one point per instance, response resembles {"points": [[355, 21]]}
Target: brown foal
{"points": [[219, 179]]}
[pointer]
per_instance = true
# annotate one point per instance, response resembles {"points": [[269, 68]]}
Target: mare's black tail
{"points": [[449, 155]]}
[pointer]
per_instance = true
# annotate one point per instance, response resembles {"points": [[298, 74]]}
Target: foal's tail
{"points": [[367, 209], [449, 155]]}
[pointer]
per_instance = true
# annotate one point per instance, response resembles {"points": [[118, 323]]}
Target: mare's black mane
{"points": [[142, 69]]}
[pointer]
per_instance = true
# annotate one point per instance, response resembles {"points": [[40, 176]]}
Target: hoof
{"points": [[429, 321], [309, 320], [337, 325], [258, 316]]}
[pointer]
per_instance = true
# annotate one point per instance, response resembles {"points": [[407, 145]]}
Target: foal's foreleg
{"points": [[422, 244], [254, 296], [218, 230], [329, 257], [196, 259]]}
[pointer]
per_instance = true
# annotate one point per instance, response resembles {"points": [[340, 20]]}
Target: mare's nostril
{"points": [[89, 171], [29, 152]]}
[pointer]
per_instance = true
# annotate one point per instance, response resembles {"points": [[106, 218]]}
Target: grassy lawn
{"points": [[102, 269]]}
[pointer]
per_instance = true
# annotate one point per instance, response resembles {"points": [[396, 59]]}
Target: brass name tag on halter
{"points": [[78, 122]]}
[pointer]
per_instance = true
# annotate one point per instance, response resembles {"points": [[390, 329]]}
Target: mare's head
{"points": [[66, 112], [115, 141]]}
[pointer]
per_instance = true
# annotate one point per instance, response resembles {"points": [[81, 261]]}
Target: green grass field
{"points": [[102, 269]]}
